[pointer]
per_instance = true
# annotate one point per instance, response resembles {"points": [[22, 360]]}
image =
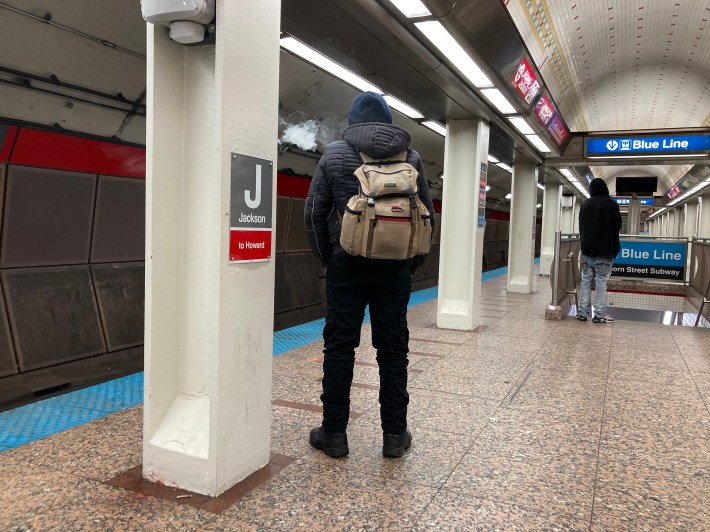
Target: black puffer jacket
{"points": [[599, 222], [334, 182]]}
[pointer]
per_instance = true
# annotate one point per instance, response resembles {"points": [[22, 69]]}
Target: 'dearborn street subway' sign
{"points": [[651, 259], [250, 224]]}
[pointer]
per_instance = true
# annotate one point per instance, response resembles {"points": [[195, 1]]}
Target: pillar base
{"points": [[553, 313]]}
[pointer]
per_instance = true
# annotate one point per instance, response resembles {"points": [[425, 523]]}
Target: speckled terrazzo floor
{"points": [[524, 425]]}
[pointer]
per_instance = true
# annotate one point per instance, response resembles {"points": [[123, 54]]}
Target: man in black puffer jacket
{"points": [[353, 282], [599, 226]]}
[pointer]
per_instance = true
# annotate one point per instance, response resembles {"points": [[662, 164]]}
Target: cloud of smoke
{"points": [[302, 135]]}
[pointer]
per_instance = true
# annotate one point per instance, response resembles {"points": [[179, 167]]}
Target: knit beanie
{"points": [[369, 107]]}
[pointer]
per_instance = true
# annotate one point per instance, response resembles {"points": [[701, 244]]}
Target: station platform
{"points": [[524, 424]]}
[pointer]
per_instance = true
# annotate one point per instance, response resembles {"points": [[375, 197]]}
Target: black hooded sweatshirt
{"points": [[599, 222]]}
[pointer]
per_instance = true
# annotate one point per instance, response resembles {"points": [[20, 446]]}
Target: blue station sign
{"points": [[648, 202], [658, 144], [651, 260]]}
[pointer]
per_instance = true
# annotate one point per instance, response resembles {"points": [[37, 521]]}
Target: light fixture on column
{"points": [[435, 126]]}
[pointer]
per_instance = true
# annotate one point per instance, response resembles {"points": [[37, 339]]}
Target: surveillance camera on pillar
{"points": [[190, 21]]}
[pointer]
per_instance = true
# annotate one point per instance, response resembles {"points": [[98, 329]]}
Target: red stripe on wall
{"points": [[45, 149], [7, 142], [291, 185]]}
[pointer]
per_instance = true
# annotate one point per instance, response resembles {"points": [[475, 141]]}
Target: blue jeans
{"points": [[596, 269]]}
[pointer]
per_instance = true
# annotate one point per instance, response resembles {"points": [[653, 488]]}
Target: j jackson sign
{"points": [[662, 144], [651, 260], [250, 224]]}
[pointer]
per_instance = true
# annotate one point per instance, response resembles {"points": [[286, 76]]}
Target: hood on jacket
{"points": [[369, 107], [598, 187], [378, 140]]}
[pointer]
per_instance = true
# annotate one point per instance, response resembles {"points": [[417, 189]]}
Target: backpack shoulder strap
{"points": [[397, 158]]}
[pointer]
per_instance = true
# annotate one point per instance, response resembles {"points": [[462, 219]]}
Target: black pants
{"points": [[352, 283]]}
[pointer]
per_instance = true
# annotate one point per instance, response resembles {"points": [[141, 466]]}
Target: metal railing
{"points": [[565, 274]]}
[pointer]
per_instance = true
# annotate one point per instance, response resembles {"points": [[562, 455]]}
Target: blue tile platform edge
{"points": [[56, 414]]}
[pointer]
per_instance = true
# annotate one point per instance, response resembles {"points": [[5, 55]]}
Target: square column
{"points": [[208, 323], [550, 224], [461, 254], [521, 239], [690, 215], [704, 222]]}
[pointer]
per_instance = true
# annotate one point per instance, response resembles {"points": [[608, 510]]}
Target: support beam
{"points": [[460, 265], [521, 239], [550, 224], [208, 323]]}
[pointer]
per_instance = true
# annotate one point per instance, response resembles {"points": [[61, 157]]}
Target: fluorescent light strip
{"points": [[435, 126], [499, 101], [316, 58], [541, 187], [521, 125], [567, 173], [411, 8], [402, 107], [505, 167], [492, 159], [508, 195], [452, 50], [538, 205], [488, 187], [538, 143]]}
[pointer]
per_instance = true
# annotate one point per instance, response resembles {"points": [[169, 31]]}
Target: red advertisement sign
{"points": [[247, 245], [544, 110], [525, 82], [557, 130]]}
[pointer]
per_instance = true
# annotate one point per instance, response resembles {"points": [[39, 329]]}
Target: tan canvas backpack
{"points": [[386, 219]]}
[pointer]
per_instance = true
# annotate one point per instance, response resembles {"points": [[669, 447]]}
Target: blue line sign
{"points": [[651, 260], [664, 144]]}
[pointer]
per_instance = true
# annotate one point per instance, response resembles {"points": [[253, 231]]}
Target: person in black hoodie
{"points": [[353, 282], [599, 226]]}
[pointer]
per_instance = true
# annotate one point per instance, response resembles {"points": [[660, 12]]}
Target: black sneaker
{"points": [[581, 318], [333, 445], [597, 319], [395, 445]]}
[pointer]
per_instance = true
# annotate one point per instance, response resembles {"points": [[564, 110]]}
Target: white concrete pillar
{"points": [[461, 255], [665, 229], [690, 215], [208, 323], [634, 216], [521, 238], [671, 222], [577, 205], [567, 214], [704, 224], [550, 224]]}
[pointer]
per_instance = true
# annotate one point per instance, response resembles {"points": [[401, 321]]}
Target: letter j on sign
{"points": [[251, 203]]}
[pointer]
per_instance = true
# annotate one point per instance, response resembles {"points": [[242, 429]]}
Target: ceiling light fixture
{"points": [[504, 167], [538, 205], [488, 187], [521, 125], [452, 50], [508, 195], [538, 143], [541, 187], [435, 126], [567, 173], [499, 101], [402, 107], [317, 59], [492, 159], [411, 8]]}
